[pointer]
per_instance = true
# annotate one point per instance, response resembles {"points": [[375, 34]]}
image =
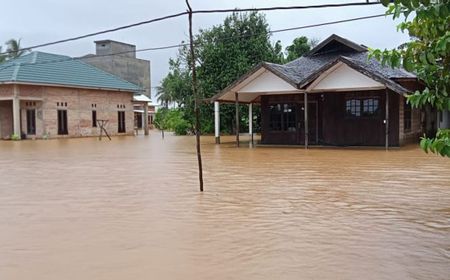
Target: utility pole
{"points": [[196, 98]]}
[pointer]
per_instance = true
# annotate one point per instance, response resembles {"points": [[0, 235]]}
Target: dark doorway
{"points": [[31, 121], [121, 122], [62, 122], [285, 121], [138, 120]]}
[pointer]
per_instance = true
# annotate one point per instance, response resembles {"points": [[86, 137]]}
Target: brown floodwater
{"points": [[130, 209]]}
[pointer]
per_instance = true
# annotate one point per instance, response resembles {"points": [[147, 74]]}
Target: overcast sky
{"points": [[40, 21]]}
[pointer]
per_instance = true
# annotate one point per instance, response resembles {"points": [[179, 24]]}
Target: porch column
{"points": [[145, 123], [217, 121], [250, 122], [16, 112], [237, 117], [306, 120], [387, 120]]}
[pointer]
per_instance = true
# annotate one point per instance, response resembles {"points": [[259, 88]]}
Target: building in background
{"points": [[120, 59], [144, 111], [46, 95]]}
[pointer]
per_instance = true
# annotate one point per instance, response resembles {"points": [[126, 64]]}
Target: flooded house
{"points": [[45, 95], [333, 95], [119, 59], [144, 112]]}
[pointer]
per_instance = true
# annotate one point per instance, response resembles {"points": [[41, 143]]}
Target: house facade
{"points": [[351, 100], [52, 96], [120, 59]]}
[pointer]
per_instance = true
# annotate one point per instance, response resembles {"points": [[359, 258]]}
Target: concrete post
{"points": [[16, 111], [217, 121], [145, 118]]}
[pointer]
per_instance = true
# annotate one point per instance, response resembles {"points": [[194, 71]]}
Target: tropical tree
{"points": [[223, 53], [2, 56], [427, 55], [13, 48], [299, 47]]}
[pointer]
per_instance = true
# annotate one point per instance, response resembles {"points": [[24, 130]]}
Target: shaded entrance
{"points": [[283, 120]]}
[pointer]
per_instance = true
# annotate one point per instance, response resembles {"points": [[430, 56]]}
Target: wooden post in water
{"points": [[387, 120], [196, 98], [237, 118], [306, 119], [250, 122]]}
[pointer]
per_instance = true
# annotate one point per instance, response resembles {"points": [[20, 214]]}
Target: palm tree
{"points": [[2, 56], [13, 49], [164, 96]]}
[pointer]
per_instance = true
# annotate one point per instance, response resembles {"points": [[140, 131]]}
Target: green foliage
{"points": [[13, 50], [427, 55], [15, 137], [173, 120], [176, 86], [439, 145], [223, 54], [299, 47]]}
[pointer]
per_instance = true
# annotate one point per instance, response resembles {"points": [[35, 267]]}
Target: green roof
{"points": [[60, 70]]}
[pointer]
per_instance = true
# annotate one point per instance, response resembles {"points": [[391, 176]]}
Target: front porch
{"points": [[19, 117], [344, 108]]}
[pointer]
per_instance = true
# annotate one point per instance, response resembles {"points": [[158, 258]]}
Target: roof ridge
{"points": [[16, 71], [33, 60]]}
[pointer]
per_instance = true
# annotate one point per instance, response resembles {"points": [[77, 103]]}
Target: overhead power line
{"points": [[265, 9], [101, 32], [194, 12], [223, 40]]}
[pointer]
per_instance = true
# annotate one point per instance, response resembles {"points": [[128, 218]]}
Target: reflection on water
{"points": [[130, 209]]}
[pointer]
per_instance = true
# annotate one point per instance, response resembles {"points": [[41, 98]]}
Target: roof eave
{"points": [[67, 86], [386, 82], [260, 65]]}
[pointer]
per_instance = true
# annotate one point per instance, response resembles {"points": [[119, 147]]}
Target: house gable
{"points": [[335, 43], [267, 82], [341, 77]]}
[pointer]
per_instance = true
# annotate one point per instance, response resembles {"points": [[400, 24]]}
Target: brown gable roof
{"points": [[336, 43]]}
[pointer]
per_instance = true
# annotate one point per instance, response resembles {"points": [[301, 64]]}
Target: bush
{"points": [[173, 120], [182, 127], [15, 137]]}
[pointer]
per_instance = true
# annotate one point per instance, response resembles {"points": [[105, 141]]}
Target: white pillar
{"points": [[217, 121], [16, 112], [145, 123]]}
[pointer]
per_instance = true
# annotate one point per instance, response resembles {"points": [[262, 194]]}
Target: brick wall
{"points": [[80, 104], [6, 122]]}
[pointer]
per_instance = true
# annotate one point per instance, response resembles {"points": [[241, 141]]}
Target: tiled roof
{"points": [[334, 49], [59, 70]]}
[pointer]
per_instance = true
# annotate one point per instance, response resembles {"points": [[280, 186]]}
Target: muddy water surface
{"points": [[130, 209]]}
